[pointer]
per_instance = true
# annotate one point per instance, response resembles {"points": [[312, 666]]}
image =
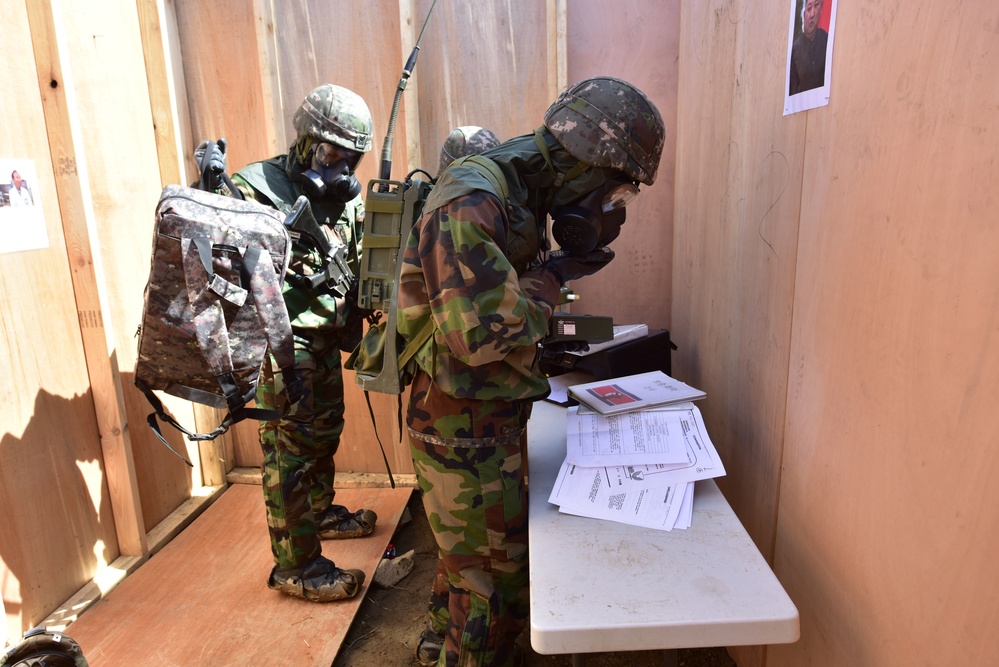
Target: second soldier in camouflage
{"points": [[477, 265]]}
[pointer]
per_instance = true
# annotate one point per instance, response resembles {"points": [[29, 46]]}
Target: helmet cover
{"points": [[607, 122], [466, 140], [335, 115]]}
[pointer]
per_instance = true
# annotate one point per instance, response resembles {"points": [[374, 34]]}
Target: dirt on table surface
{"points": [[388, 625]]}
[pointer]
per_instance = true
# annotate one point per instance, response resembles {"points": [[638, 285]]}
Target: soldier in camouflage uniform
{"points": [[466, 140], [477, 265], [334, 131]]}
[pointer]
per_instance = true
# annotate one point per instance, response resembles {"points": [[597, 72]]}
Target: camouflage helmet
{"points": [[607, 122], [335, 115], [466, 140]]}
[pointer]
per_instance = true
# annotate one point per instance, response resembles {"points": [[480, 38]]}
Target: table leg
{"points": [[578, 659]]}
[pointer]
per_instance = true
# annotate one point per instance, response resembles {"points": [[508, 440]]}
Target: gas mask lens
{"points": [[327, 155], [619, 197], [331, 174]]}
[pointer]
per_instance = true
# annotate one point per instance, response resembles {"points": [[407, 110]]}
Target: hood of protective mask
{"points": [[516, 158]]}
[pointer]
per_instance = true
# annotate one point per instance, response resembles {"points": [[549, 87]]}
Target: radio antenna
{"points": [[407, 71]]}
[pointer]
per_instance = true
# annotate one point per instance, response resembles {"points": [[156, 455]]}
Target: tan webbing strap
{"points": [[489, 170]]}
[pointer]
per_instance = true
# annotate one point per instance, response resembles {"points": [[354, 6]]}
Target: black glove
{"points": [[570, 267], [210, 157]]}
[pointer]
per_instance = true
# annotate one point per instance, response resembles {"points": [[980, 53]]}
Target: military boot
{"points": [[337, 523], [429, 648], [319, 580]]}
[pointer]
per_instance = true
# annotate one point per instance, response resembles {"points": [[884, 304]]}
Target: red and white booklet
{"points": [[634, 392]]}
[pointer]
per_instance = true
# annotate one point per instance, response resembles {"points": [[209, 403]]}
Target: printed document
{"points": [[633, 438], [592, 496], [655, 495]]}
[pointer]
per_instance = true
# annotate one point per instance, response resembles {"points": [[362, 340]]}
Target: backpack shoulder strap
{"points": [[489, 170]]}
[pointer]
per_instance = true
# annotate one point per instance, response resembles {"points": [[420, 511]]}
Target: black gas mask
{"points": [[594, 220], [330, 176]]}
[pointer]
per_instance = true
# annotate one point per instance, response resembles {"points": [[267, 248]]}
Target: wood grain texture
{"points": [[638, 42], [735, 253], [888, 528], [836, 294], [54, 495], [203, 599], [118, 154]]}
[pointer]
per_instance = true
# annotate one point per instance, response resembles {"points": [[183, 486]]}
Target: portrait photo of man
{"points": [[811, 31], [808, 52]]}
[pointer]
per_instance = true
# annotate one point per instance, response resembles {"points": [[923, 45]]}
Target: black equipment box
{"points": [[641, 355], [589, 328]]}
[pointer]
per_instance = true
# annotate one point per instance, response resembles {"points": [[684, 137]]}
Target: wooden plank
{"points": [[220, 564], [557, 29], [157, 26], [66, 137], [114, 574], [168, 103], [270, 82], [93, 592], [54, 500], [122, 173], [344, 480], [181, 518], [410, 30]]}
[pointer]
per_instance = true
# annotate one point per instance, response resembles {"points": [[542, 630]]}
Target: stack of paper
{"points": [[638, 466]]}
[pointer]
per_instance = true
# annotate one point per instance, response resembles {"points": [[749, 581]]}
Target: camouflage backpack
{"points": [[214, 305], [41, 647]]}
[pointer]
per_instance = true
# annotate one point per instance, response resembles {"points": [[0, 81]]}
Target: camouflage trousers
{"points": [[298, 467], [476, 502], [468, 460]]}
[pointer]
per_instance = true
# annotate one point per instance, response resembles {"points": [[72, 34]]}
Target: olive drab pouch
{"points": [[368, 357], [213, 306], [41, 647]]}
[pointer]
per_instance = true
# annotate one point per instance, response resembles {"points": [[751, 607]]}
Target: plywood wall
{"points": [[895, 348], [112, 103], [736, 234], [487, 64], [51, 475], [90, 479], [638, 42], [835, 273]]}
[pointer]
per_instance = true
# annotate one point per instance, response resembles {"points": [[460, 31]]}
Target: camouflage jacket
{"points": [[267, 183], [458, 268]]}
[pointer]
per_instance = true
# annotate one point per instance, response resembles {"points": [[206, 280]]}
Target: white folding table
{"points": [[602, 586]]}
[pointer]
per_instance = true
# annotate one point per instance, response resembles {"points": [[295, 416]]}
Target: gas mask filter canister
{"points": [[594, 220]]}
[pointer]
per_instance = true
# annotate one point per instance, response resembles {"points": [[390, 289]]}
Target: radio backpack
{"points": [[214, 306]]}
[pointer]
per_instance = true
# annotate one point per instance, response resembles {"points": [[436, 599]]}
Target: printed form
{"points": [[640, 437], [652, 495]]}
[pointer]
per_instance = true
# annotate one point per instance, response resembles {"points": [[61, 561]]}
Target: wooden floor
{"points": [[203, 601]]}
